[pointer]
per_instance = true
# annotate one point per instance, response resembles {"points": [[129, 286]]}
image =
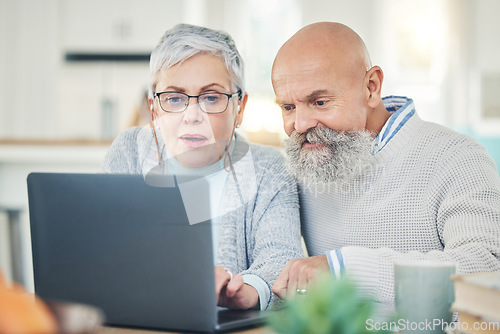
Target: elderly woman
{"points": [[197, 101]]}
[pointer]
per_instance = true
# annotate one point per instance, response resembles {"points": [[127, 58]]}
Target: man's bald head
{"points": [[330, 42], [327, 64]]}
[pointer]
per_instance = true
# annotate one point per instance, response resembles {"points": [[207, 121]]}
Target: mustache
{"points": [[313, 135], [318, 135]]}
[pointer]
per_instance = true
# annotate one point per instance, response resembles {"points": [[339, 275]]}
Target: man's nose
{"points": [[305, 119]]}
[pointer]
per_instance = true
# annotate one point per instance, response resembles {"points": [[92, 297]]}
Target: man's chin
{"points": [[315, 156], [312, 146], [320, 181], [319, 167]]}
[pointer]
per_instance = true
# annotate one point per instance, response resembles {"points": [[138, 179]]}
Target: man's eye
{"points": [[321, 103], [287, 107]]}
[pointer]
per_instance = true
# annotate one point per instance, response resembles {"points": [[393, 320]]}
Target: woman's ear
{"points": [[152, 110], [373, 83], [240, 109]]}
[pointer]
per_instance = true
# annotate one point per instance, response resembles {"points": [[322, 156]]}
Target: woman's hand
{"points": [[232, 292]]}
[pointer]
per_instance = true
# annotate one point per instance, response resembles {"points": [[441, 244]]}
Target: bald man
{"points": [[377, 183]]}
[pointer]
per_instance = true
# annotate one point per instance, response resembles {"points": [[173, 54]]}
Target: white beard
{"points": [[341, 157]]}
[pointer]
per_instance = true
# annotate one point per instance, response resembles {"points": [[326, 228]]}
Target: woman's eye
{"points": [[211, 98], [174, 100]]}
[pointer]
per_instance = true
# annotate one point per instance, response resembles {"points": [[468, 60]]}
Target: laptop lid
{"points": [[117, 243]]}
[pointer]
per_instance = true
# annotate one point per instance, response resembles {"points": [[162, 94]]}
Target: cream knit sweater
{"points": [[430, 194]]}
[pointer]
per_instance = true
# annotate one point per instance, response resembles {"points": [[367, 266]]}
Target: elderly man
{"points": [[378, 184]]}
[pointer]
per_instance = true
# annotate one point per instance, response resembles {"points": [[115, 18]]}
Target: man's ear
{"points": [[373, 83]]}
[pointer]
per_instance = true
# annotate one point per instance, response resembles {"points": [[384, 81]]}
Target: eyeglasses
{"points": [[211, 103]]}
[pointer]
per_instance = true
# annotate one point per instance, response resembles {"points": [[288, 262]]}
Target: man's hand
{"points": [[232, 292], [298, 274]]}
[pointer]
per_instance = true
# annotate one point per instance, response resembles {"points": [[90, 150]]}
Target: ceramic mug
{"points": [[424, 293]]}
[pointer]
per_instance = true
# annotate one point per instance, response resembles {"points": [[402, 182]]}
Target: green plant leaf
{"points": [[330, 306]]}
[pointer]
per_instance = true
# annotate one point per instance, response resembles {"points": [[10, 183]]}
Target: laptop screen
{"points": [[117, 243]]}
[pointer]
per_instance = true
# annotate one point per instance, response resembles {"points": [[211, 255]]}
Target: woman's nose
{"points": [[193, 113]]}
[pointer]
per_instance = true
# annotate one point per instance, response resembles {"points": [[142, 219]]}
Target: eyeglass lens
{"points": [[208, 102]]}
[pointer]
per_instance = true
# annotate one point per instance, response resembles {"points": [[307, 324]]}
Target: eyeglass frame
{"points": [[229, 96]]}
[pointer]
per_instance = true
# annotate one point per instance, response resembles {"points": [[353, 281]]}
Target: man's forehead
{"points": [[300, 92], [301, 84], [298, 66]]}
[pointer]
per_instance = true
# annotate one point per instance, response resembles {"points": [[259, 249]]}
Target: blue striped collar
{"points": [[402, 109]]}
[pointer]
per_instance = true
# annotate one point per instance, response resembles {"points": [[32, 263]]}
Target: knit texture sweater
{"points": [[430, 194], [260, 231]]}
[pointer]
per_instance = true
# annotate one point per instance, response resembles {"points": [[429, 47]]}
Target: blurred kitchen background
{"points": [[73, 74]]}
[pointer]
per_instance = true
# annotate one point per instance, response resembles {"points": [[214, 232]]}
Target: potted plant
{"points": [[330, 306]]}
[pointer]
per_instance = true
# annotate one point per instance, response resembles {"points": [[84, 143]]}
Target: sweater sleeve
{"points": [[275, 224], [122, 157], [464, 202]]}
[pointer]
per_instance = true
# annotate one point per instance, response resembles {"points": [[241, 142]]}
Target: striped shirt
{"points": [[402, 109]]}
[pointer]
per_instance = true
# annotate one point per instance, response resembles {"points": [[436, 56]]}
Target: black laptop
{"points": [[117, 243]]}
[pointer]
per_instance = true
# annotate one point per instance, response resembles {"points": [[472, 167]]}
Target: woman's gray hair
{"points": [[185, 40]]}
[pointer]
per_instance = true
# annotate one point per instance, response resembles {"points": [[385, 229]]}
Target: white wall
{"points": [[484, 63], [29, 63], [486, 33]]}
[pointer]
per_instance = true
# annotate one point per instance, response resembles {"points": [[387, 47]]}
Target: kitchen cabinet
{"points": [[116, 26]]}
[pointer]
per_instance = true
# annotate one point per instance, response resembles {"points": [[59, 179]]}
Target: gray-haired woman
{"points": [[197, 101]]}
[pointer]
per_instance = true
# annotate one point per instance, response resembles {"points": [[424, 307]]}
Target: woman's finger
{"points": [[234, 286]]}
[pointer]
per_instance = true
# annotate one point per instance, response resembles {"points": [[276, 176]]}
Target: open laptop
{"points": [[114, 242]]}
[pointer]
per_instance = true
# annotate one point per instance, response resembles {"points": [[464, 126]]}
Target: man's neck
{"points": [[377, 119]]}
